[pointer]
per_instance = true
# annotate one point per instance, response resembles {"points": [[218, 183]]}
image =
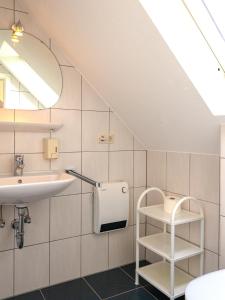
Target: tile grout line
{"points": [[66, 66], [77, 152], [49, 241], [199, 199], [79, 109], [219, 241], [14, 246], [90, 286], [14, 10], [144, 287], [109, 131], [146, 186], [81, 167], [14, 262], [166, 171], [43, 296], [189, 225], [134, 235], [121, 268], [65, 238], [49, 210], [123, 293], [50, 45]]}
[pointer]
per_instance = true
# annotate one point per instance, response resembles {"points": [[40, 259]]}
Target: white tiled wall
{"points": [[222, 198], [188, 174], [37, 273], [59, 243], [68, 267], [121, 247], [94, 253]]}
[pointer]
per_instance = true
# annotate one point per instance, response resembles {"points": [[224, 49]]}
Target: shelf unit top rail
{"points": [[178, 204], [172, 220], [149, 190]]}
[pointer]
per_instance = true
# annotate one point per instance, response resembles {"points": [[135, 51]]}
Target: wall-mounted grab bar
{"points": [[84, 178]]}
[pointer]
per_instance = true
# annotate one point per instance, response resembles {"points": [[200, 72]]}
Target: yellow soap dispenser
{"points": [[51, 148]]}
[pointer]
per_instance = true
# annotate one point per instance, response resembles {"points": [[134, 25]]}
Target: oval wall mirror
{"points": [[30, 76]]}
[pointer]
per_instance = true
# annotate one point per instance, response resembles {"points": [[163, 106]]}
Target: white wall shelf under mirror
{"points": [[29, 126]]}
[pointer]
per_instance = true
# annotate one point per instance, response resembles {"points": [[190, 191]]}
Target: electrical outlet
{"points": [[106, 139], [111, 139], [103, 139]]}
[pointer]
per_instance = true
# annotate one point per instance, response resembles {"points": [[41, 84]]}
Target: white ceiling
{"points": [[119, 50]]}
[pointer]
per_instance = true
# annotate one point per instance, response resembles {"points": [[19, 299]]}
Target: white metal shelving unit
{"points": [[164, 275]]}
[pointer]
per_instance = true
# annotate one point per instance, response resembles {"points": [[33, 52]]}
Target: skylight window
{"points": [[195, 30], [208, 19]]}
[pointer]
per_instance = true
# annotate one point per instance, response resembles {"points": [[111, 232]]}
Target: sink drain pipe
{"points": [[18, 225]]}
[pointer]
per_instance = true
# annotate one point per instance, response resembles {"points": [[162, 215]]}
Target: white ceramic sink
{"points": [[30, 188]]}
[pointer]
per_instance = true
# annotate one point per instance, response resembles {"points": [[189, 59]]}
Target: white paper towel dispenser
{"points": [[111, 206]]}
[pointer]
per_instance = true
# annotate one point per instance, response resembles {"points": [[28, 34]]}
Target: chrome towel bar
{"points": [[84, 178]]}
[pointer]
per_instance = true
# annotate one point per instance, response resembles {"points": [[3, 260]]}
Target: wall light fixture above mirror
{"points": [[30, 76]]}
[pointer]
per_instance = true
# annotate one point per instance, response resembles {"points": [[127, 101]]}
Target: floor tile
{"points": [[130, 270], [158, 295], [29, 296], [72, 290], [139, 294], [110, 283]]}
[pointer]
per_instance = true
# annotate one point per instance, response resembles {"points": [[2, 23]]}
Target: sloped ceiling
{"points": [[119, 50]]}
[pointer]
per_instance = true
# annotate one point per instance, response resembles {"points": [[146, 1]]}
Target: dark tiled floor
{"points": [[111, 283], [116, 284], [34, 296], [73, 290], [130, 270]]}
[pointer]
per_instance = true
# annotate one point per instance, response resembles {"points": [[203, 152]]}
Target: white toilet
{"points": [[207, 287]]}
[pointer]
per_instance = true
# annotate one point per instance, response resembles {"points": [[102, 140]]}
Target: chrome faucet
{"points": [[19, 165]]}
